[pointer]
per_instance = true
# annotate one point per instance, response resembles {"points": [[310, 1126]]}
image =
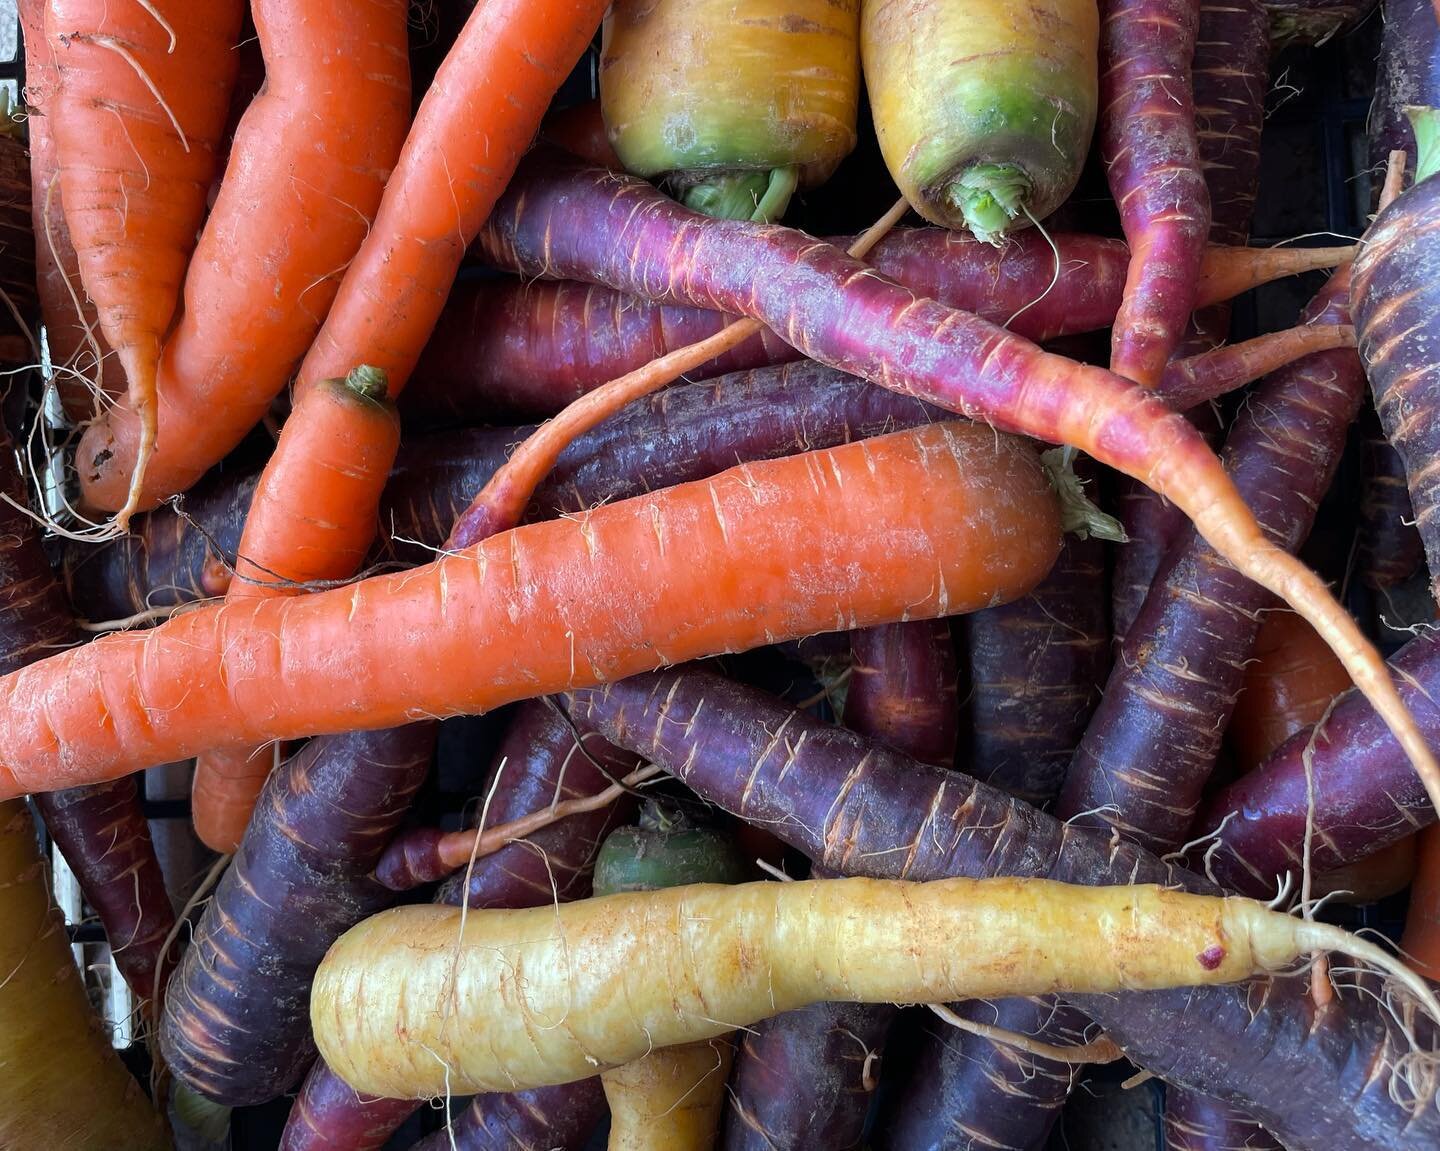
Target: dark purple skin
{"points": [[1395, 295], [101, 830], [687, 432], [236, 1026], [542, 755], [1366, 794], [1309, 22], [1409, 75], [506, 349], [1195, 1122], [1036, 669], [547, 1119], [805, 1078], [861, 808], [902, 688], [1154, 739], [1388, 550]]}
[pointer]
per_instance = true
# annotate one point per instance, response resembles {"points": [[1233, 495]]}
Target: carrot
{"points": [[541, 758], [1151, 156], [806, 1078], [580, 130], [1154, 739], [984, 113], [947, 518], [734, 107], [687, 433], [1409, 76], [1209, 375], [234, 1028], [1289, 683], [1391, 294], [1036, 669], [518, 348], [79, 357], [293, 208], [52, 1048], [138, 112], [1421, 941], [558, 221], [670, 1098], [634, 972], [546, 1119], [300, 533], [1254, 828], [849, 803], [1388, 550]]}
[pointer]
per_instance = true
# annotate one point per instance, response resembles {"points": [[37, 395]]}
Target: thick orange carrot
{"points": [[312, 519], [77, 348], [139, 110], [930, 522], [302, 185]]}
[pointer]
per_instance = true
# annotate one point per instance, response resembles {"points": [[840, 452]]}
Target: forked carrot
{"points": [[143, 93]]}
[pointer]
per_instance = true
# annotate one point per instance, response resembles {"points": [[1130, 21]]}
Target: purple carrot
{"points": [[541, 757], [236, 1026], [688, 432], [1152, 160], [902, 688], [1154, 739], [1388, 550], [1036, 668], [1409, 76], [547, 1119], [1395, 294], [864, 809], [1230, 72], [806, 1078], [100, 830], [1295, 23], [1195, 1122], [1364, 799]]}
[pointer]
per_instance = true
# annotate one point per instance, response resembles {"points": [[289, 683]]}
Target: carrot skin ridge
{"points": [[1364, 799], [805, 1078], [293, 208], [1152, 162], [235, 1026], [689, 432], [1155, 736], [848, 803], [1394, 298], [539, 752]]}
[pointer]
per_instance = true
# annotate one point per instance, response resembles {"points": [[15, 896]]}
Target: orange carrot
{"points": [[918, 524], [301, 188], [78, 351], [300, 532], [139, 110]]}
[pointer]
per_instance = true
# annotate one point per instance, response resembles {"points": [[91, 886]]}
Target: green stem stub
{"points": [[368, 382], [1426, 123], [989, 197], [761, 197], [1079, 516]]}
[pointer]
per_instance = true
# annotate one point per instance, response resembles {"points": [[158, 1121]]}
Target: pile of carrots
{"points": [[946, 612]]}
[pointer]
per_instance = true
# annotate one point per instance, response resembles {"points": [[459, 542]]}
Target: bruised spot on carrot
{"points": [[1212, 957]]}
